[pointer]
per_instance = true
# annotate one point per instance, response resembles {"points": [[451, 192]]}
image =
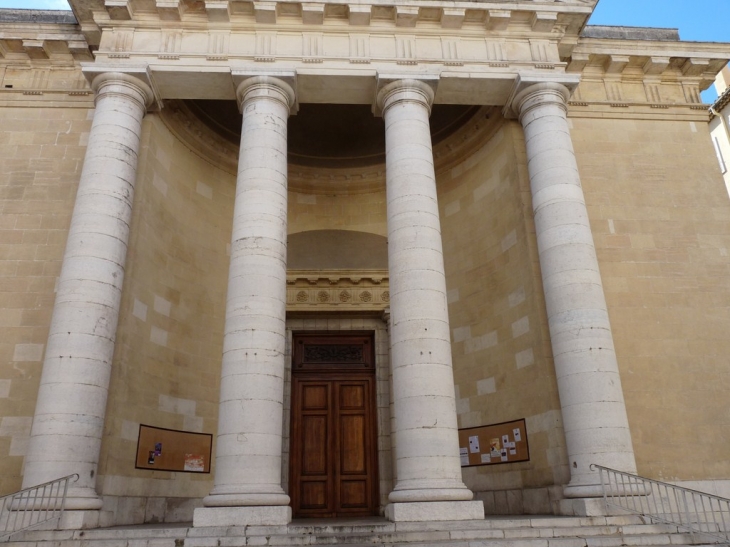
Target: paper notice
{"points": [[505, 440], [503, 455], [486, 458], [464, 456], [517, 434], [474, 444], [194, 462], [512, 451]]}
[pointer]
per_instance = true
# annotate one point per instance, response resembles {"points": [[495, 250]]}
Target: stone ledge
{"points": [[241, 516], [429, 511]]}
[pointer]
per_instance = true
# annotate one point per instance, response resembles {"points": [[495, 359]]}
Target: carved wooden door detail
{"points": [[333, 458]]}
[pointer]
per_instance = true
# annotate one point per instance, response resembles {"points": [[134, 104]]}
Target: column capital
{"points": [[539, 95], [134, 83], [266, 86], [414, 90], [530, 91]]}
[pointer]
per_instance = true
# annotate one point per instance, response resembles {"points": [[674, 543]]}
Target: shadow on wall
{"points": [[337, 250]]}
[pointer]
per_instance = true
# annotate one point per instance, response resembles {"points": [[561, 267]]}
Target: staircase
{"points": [[546, 531]]}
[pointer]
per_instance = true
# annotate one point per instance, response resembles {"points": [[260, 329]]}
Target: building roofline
{"points": [[8, 15]]}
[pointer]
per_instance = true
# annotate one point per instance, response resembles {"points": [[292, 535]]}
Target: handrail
{"points": [[698, 513], [34, 506]]}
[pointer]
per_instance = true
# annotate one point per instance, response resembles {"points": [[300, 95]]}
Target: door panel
{"points": [[352, 445], [314, 444], [333, 464]]}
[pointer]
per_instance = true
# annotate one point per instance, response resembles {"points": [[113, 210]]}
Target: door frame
{"points": [[338, 373]]}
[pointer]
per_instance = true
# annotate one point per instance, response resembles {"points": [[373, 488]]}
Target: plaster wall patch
{"points": [[525, 358], [162, 306], [307, 199], [483, 190], [452, 296], [158, 336], [510, 240], [462, 333], [130, 430], [543, 422], [18, 429], [84, 139], [516, 297], [520, 327], [19, 446], [28, 352], [139, 310], [193, 423], [452, 208], [5, 388], [15, 426], [480, 342], [160, 185], [462, 406], [204, 190], [486, 386], [175, 405], [163, 158]]}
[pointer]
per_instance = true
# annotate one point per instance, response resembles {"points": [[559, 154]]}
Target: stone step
{"points": [[545, 531], [659, 540]]}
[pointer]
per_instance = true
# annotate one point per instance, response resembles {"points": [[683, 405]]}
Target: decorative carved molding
{"points": [[337, 290], [333, 353]]}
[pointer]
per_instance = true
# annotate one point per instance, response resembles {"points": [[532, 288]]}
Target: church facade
{"points": [[311, 245]]}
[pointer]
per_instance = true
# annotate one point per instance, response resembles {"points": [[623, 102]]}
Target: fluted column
{"points": [[427, 445], [594, 413], [69, 415], [248, 455]]}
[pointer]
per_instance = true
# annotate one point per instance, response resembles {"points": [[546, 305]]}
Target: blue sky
{"points": [[697, 20]]}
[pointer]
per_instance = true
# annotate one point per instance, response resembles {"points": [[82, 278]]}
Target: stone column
{"points": [[248, 456], [594, 413], [429, 484], [69, 415]]}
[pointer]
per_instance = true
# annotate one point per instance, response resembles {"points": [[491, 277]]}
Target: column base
{"points": [[272, 515], [426, 511]]}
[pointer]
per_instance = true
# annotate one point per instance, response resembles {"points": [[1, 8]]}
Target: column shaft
{"points": [[427, 445], [69, 416], [594, 413], [248, 457]]}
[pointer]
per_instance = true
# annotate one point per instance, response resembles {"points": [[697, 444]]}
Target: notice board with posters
{"points": [[494, 444], [172, 450]]}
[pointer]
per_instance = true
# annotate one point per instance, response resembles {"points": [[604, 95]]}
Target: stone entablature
{"points": [[342, 291], [59, 43]]}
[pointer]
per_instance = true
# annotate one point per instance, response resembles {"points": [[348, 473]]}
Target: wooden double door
{"points": [[333, 457]]}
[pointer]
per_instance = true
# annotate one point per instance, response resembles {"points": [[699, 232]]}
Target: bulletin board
{"points": [[494, 444], [173, 450]]}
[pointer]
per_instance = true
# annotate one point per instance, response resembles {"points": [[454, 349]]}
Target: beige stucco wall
{"points": [[660, 217], [41, 154], [661, 221]]}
